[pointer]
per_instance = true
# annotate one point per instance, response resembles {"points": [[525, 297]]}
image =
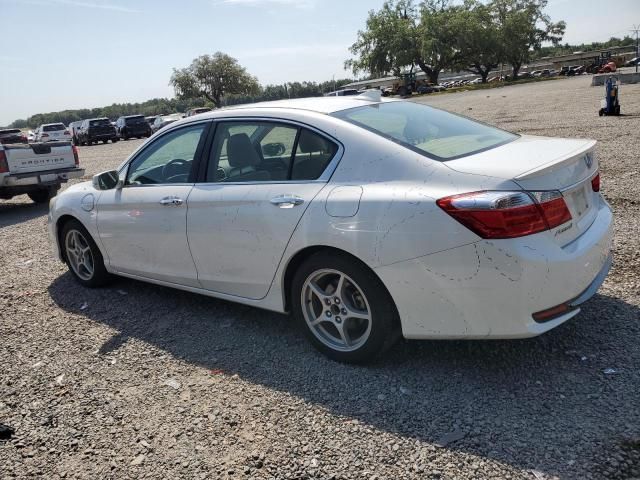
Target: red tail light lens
{"points": [[76, 157], [45, 135], [595, 183], [507, 214], [4, 166]]}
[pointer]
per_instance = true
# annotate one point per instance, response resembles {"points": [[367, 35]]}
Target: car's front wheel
{"points": [[83, 256], [343, 307]]}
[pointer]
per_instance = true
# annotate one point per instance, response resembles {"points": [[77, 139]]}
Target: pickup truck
{"points": [[37, 169]]}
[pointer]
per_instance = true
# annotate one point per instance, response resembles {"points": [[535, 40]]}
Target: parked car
{"points": [[342, 92], [150, 120], [37, 169], [12, 135], [536, 73], [94, 130], [132, 126], [366, 218], [576, 70], [197, 111], [633, 62], [31, 136], [163, 121], [73, 130], [52, 132]]}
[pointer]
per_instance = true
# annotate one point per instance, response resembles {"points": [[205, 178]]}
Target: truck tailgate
{"points": [[36, 157]]}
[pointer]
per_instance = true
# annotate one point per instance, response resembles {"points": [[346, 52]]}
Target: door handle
{"points": [[286, 201], [171, 201]]}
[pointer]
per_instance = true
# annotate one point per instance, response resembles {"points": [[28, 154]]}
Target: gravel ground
{"points": [[140, 381]]}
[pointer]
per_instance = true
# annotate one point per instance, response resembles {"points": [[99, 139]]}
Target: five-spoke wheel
{"points": [[83, 255], [343, 306]]}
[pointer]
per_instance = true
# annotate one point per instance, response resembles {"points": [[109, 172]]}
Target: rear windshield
{"points": [[53, 128], [7, 132], [435, 133], [100, 122], [134, 120]]}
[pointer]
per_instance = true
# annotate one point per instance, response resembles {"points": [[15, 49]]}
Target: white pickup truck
{"points": [[37, 169]]}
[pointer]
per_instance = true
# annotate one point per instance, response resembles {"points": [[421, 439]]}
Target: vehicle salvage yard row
{"points": [[138, 380]]}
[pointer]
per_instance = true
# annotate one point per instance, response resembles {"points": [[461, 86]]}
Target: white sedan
{"points": [[366, 218]]}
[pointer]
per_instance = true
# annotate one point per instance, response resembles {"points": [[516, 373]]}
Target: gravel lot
{"points": [[140, 381]]}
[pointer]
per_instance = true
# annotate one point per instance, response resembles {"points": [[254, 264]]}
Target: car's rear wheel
{"points": [[43, 195], [83, 256], [89, 142], [344, 309]]}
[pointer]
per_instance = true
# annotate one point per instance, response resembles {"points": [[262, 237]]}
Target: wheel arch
{"points": [[302, 255]]}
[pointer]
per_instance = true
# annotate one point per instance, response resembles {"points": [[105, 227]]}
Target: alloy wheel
{"points": [[336, 310], [79, 254]]}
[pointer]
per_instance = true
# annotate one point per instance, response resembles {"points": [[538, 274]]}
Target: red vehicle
{"points": [[608, 67]]}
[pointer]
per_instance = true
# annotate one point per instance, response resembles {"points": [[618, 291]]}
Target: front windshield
{"points": [[435, 133]]}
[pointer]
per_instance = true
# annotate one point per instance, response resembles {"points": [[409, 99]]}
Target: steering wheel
{"points": [[177, 165]]}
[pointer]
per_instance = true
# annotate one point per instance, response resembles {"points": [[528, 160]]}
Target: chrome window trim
{"points": [[123, 169], [328, 171]]}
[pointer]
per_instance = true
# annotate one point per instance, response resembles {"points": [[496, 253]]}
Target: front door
{"points": [[143, 225], [260, 179]]}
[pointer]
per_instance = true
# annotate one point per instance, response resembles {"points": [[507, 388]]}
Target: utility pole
{"points": [[636, 29]]}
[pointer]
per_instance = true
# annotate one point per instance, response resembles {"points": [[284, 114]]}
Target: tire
{"points": [[313, 298], [601, 112], [75, 235], [114, 140], [105, 141], [89, 142], [75, 141], [617, 110], [43, 195]]}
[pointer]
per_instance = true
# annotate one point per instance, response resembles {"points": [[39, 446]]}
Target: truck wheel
{"points": [[43, 195], [89, 142], [114, 139], [83, 256]]}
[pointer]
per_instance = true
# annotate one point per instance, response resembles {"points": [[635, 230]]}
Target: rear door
{"points": [[260, 178], [143, 225]]}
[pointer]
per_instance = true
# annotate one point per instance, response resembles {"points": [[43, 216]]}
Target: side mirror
{"points": [[107, 180]]}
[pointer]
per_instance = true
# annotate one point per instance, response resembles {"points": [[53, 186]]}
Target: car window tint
{"points": [[168, 159], [251, 152], [313, 154], [427, 130]]}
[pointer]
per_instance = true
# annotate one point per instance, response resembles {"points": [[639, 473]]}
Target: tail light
{"points": [[45, 135], [507, 214], [4, 166], [23, 138], [76, 158], [595, 183], [66, 132]]}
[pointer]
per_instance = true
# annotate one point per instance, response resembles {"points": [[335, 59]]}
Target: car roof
{"points": [[326, 105]]}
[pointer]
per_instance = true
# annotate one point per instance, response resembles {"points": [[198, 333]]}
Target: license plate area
{"points": [[580, 200], [49, 177]]}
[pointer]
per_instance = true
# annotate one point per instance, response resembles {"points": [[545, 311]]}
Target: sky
{"points": [[65, 54]]}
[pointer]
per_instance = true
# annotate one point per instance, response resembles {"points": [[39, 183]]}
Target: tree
{"points": [[401, 36], [436, 37], [523, 28], [477, 39], [212, 77], [389, 42]]}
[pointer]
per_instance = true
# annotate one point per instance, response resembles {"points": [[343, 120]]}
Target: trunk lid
{"points": [[37, 157], [542, 163]]}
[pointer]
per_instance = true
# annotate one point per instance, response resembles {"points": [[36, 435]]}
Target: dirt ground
{"points": [[141, 381]]}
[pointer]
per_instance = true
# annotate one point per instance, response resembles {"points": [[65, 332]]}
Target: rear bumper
{"points": [[44, 178], [490, 289]]}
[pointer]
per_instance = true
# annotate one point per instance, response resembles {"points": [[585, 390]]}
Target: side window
{"points": [[251, 152], [168, 159], [312, 156]]}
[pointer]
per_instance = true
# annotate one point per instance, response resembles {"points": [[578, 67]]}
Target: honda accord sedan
{"points": [[368, 219]]}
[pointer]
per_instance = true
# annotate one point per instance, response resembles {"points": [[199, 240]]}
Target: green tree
{"points": [[401, 36], [524, 27], [212, 77], [477, 39], [389, 42]]}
